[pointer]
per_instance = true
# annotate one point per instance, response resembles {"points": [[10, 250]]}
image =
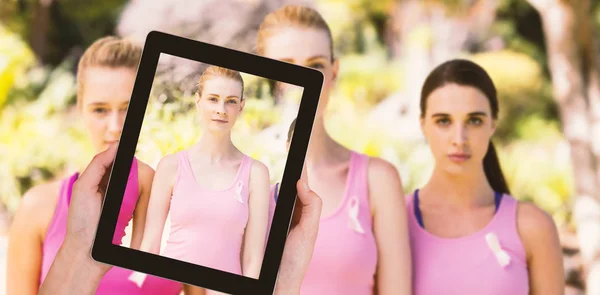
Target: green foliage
{"points": [[522, 91], [540, 171], [41, 137], [367, 79], [15, 58]]}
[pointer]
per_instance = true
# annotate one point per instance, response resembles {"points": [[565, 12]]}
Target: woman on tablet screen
{"points": [[362, 245], [468, 234], [216, 196], [105, 78]]}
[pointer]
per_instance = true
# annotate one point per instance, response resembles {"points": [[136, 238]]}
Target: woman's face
{"points": [[105, 98], [458, 126], [220, 104], [305, 47]]}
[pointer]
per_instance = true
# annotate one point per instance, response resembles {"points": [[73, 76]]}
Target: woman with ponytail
{"points": [[362, 246], [468, 235]]}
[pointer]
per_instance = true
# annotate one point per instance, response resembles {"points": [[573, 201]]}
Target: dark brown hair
{"points": [[291, 130], [467, 73]]}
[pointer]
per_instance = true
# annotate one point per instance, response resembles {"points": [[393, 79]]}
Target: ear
{"points": [[494, 125], [242, 104], [197, 98], [422, 125], [335, 69]]}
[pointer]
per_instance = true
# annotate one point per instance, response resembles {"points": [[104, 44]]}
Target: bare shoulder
{"points": [[385, 185], [168, 164], [382, 175], [144, 170], [259, 168], [38, 204], [535, 226], [259, 174], [145, 176], [380, 168]]}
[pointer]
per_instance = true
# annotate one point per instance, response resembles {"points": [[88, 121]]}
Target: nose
{"points": [[115, 124], [221, 109], [460, 135]]}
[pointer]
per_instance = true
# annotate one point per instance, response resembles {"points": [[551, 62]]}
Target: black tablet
{"points": [[220, 154]]}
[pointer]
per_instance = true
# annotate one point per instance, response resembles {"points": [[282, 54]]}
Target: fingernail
{"points": [[305, 185]]}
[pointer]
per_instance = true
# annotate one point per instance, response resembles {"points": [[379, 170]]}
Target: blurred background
{"points": [[542, 54]]}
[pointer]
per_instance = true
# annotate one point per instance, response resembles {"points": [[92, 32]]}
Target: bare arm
{"points": [[72, 272], [390, 226], [24, 261], [256, 229], [544, 255], [159, 204], [146, 176]]}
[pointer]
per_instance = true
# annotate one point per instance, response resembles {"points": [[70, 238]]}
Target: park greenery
{"points": [[41, 137]]}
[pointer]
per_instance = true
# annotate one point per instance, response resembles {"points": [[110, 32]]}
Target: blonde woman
{"points": [[217, 197], [362, 245]]}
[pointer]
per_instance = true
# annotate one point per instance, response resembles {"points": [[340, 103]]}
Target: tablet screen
{"points": [[207, 168]]}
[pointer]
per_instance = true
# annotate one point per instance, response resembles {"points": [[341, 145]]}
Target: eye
{"points": [[443, 121], [212, 98], [232, 101], [317, 65], [100, 110], [475, 121]]}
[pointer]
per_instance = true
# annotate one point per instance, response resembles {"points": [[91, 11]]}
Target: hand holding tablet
{"points": [[74, 272], [208, 221]]}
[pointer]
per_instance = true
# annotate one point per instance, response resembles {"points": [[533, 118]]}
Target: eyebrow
{"points": [[472, 114], [290, 60], [104, 103], [318, 57], [231, 96]]}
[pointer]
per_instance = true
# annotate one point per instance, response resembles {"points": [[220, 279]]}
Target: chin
{"points": [[219, 129]]}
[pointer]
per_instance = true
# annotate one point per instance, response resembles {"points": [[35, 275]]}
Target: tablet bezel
{"points": [[105, 251]]}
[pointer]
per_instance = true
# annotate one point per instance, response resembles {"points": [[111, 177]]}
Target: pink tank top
{"points": [[207, 226], [469, 265], [116, 281], [344, 260]]}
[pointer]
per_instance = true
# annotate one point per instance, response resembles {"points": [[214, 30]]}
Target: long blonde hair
{"points": [[110, 51], [291, 16]]}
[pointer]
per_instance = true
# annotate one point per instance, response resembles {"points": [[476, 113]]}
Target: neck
{"points": [[464, 189], [214, 146], [322, 147]]}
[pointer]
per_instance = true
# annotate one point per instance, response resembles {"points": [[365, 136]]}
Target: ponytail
{"points": [[493, 171]]}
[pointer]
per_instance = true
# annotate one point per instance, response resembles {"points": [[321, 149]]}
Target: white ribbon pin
{"points": [[353, 212], [138, 278], [238, 192], [494, 244]]}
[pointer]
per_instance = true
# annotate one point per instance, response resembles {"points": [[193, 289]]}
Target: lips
{"points": [[459, 157], [219, 121]]}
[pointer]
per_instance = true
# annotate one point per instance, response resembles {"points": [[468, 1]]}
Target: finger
{"points": [[96, 172], [304, 175], [310, 204]]}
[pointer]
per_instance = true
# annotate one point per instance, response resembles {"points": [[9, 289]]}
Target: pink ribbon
{"points": [[238, 192], [353, 214]]}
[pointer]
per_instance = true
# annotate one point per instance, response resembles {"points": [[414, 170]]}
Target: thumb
{"points": [[96, 171], [310, 205]]}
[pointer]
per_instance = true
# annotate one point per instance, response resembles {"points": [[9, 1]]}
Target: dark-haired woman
{"points": [[468, 234]]}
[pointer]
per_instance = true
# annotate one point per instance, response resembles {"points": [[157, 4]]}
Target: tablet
{"points": [[217, 153]]}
